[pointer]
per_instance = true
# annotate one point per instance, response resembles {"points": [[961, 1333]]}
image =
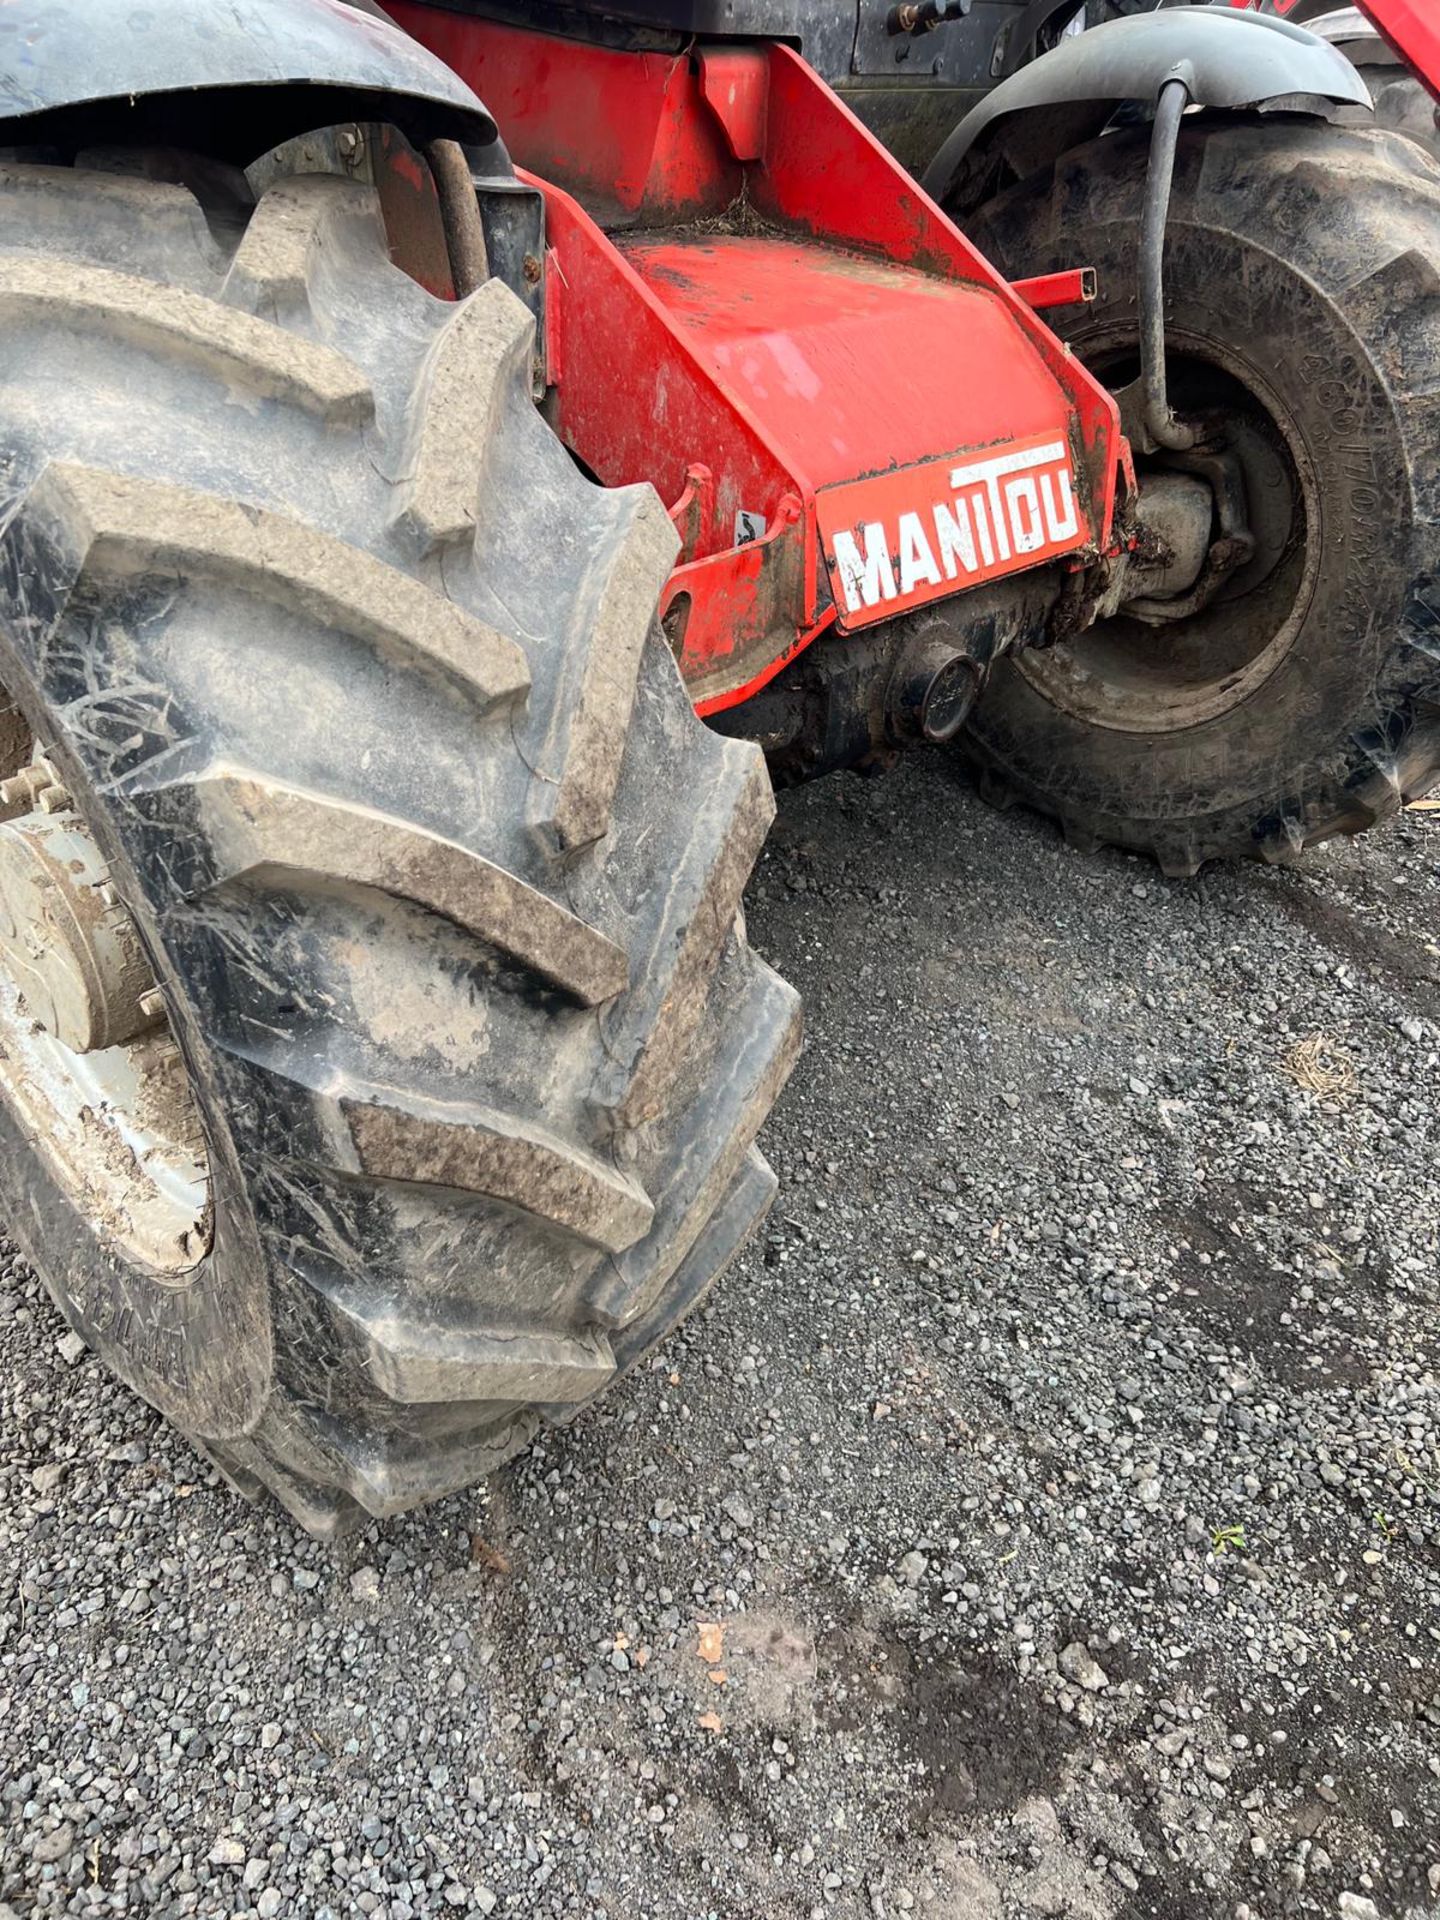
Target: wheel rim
{"points": [[88, 1063], [1132, 677]]}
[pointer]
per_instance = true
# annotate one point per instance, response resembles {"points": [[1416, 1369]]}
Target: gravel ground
{"points": [[1044, 1518]]}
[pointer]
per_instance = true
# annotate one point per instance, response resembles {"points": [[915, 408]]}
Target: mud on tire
{"points": [[1303, 280], [357, 683]]}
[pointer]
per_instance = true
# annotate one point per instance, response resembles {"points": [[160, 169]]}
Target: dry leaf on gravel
{"points": [[711, 1722], [712, 1640], [1321, 1065], [482, 1554]]}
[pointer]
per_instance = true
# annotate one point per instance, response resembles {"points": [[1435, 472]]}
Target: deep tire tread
{"points": [[233, 346], [437, 1230]]}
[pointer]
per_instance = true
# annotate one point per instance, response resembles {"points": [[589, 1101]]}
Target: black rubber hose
{"points": [[1164, 428], [459, 215]]}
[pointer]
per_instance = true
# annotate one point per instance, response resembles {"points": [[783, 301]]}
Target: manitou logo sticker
{"points": [[899, 539]]}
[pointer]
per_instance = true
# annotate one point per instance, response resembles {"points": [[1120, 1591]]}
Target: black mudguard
{"points": [[1227, 59], [232, 77]]}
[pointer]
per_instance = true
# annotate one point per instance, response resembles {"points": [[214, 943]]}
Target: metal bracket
{"points": [[512, 216], [1071, 287]]}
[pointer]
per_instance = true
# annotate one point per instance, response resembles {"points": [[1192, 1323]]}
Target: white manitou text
{"points": [[1002, 510]]}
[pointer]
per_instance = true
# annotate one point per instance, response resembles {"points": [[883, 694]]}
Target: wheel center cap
{"points": [[65, 939]]}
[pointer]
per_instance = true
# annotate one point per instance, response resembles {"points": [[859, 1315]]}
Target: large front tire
{"points": [[1303, 303], [353, 684]]}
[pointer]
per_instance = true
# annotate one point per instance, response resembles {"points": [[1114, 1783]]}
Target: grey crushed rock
{"points": [[1158, 1374], [54, 1845], [1076, 1664], [736, 1508], [365, 1583], [912, 1567]]}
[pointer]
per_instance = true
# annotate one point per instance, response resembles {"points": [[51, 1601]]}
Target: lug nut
{"points": [[21, 792]]}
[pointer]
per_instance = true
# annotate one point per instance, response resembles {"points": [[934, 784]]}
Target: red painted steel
{"points": [[735, 83], [1413, 28], [1073, 287], [628, 133], [751, 305], [839, 355], [892, 541], [634, 400], [638, 404], [828, 175]]}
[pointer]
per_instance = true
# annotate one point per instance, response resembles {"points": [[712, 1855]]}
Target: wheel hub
{"points": [[68, 944], [1131, 675], [87, 1059]]}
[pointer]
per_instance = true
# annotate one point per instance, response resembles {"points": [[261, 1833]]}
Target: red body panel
{"points": [[1413, 28], [892, 540], [789, 325], [754, 307]]}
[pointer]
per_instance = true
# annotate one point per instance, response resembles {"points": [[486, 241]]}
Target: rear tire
{"points": [[357, 684], [1303, 284], [1402, 103]]}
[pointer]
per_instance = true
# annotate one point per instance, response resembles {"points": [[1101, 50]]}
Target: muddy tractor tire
{"points": [[1302, 275], [382, 1053]]}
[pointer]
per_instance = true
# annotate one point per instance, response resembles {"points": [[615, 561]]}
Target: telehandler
{"points": [[453, 460]]}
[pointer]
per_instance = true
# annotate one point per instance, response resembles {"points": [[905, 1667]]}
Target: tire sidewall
{"points": [[197, 1345]]}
